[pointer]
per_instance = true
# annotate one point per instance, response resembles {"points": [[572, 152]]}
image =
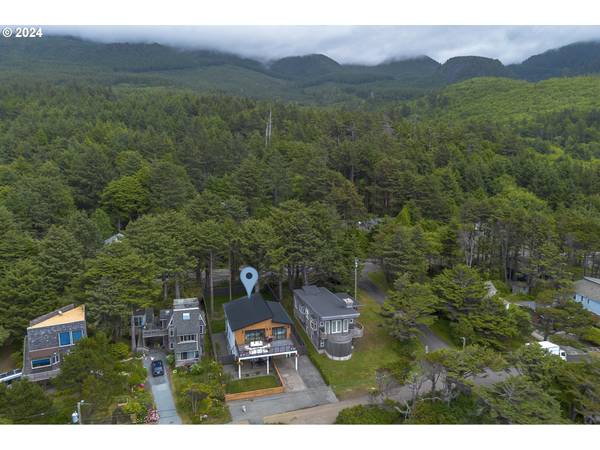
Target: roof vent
{"points": [[349, 302]]}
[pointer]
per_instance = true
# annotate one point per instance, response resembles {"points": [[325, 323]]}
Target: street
{"points": [[161, 391]]}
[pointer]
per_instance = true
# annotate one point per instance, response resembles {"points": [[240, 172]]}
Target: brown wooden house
{"points": [[257, 329]]}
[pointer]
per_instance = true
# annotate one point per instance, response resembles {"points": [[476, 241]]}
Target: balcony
{"points": [[357, 331], [40, 376], [257, 350], [154, 331]]}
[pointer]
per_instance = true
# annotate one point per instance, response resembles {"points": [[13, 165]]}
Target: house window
{"points": [[188, 355], [138, 321], [171, 332], [336, 326], [64, 338], [69, 337], [42, 362], [254, 335], [186, 316], [186, 338], [327, 327], [201, 329], [345, 325], [76, 336], [171, 345], [279, 333], [321, 343], [313, 324]]}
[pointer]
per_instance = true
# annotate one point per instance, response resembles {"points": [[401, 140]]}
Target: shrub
{"points": [[171, 360], [591, 335], [369, 415], [120, 351], [136, 408]]}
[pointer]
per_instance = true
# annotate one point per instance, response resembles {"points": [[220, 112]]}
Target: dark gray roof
{"points": [[245, 311], [588, 287], [325, 303], [183, 307]]}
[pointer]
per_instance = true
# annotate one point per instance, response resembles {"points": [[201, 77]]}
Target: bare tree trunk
{"points": [[212, 290], [165, 287], [290, 278], [177, 288], [280, 286], [230, 277], [132, 332]]}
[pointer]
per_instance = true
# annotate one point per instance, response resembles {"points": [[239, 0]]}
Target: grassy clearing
{"points": [[219, 301], [252, 384], [375, 350]]}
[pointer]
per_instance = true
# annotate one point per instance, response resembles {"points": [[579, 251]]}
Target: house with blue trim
{"points": [[49, 338]]}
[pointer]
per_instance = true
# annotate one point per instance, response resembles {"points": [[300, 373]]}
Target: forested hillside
{"points": [[309, 79], [81, 162]]}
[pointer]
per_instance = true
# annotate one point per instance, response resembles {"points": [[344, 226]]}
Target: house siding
{"points": [[588, 303], [335, 350], [43, 343], [267, 325]]}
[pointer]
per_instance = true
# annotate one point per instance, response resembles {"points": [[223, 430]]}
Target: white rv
{"points": [[553, 349]]}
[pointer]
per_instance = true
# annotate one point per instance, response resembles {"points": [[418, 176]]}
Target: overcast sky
{"points": [[349, 44]]}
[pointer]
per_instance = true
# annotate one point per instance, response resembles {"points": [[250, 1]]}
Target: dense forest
{"points": [[490, 179]]}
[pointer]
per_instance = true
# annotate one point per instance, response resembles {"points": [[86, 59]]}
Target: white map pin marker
{"points": [[249, 277]]}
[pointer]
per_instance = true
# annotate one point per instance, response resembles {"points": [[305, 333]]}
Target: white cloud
{"points": [[351, 44]]}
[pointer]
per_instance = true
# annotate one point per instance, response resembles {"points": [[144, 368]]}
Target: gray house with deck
{"points": [[329, 320], [49, 338], [179, 330]]}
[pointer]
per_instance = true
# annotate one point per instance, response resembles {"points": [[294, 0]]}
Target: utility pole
{"points": [[79, 412], [268, 130], [356, 280]]}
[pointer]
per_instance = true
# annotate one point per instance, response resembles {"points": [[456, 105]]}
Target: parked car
{"points": [[157, 368]]}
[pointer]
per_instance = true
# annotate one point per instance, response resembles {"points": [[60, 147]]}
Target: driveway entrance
{"points": [[161, 391]]}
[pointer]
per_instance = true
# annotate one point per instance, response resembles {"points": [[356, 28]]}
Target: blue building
{"points": [[587, 292]]}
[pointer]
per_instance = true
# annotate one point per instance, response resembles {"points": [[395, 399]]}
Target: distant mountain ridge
{"points": [[306, 77]]}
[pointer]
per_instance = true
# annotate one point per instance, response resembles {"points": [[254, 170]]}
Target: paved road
{"points": [[314, 393], [427, 337], [161, 391], [326, 414]]}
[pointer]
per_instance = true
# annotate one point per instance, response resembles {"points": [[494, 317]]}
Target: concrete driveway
{"points": [[161, 391], [306, 389]]}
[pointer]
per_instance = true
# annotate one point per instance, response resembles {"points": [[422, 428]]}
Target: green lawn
{"points": [[252, 384], [375, 350], [219, 301]]}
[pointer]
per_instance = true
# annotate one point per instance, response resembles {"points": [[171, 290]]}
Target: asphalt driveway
{"points": [[162, 392]]}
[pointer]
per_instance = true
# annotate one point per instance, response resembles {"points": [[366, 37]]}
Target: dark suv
{"points": [[157, 368]]}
